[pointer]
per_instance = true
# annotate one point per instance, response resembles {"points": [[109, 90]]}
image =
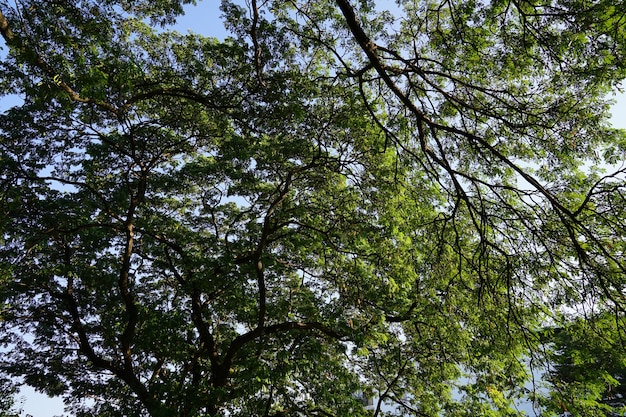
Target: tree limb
{"points": [[37, 60]]}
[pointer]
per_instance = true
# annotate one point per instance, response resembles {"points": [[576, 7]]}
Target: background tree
{"points": [[336, 199], [587, 368], [8, 401]]}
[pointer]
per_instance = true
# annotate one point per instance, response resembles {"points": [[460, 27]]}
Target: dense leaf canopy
{"points": [[586, 371], [413, 202]]}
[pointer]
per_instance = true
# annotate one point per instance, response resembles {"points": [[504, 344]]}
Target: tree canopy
{"points": [[587, 370], [411, 201]]}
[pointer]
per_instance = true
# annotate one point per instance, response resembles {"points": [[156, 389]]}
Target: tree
{"points": [[588, 369], [7, 399], [336, 199]]}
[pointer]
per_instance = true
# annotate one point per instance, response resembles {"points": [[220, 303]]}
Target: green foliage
{"points": [[8, 401], [336, 199], [588, 367]]}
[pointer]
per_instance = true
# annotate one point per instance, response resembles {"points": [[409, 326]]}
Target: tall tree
{"points": [[336, 199]]}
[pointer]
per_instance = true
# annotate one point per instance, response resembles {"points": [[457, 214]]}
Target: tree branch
{"points": [[37, 60], [266, 232], [255, 41], [370, 49], [245, 338]]}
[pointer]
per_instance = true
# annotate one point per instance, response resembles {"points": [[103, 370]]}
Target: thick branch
{"points": [[178, 92], [265, 234], [83, 338], [255, 41], [129, 301], [124, 279], [207, 341], [240, 341]]}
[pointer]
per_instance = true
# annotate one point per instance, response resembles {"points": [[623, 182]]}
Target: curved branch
{"points": [[240, 341], [37, 60], [258, 62]]}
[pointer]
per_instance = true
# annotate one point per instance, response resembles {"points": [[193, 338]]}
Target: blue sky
{"points": [[204, 19], [619, 111]]}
